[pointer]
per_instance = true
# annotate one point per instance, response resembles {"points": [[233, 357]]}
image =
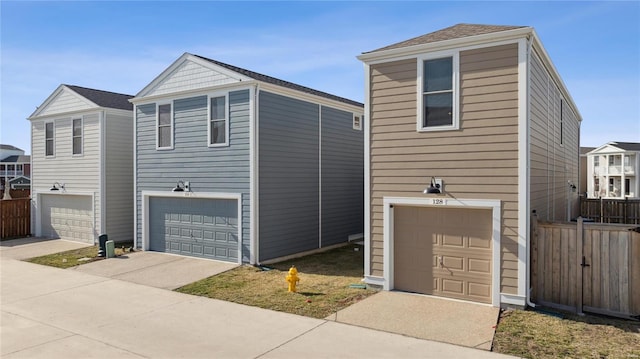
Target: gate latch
{"points": [[584, 262]]}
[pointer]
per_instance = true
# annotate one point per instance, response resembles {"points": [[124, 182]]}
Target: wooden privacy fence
{"points": [[611, 210], [15, 217], [586, 267]]}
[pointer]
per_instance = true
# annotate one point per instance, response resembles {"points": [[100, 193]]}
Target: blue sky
{"points": [[121, 46]]}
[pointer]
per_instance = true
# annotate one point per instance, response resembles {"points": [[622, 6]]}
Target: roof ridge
{"points": [[92, 89]]}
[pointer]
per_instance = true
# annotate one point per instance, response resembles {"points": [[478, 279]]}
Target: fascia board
{"points": [[264, 86], [191, 93], [81, 112], [392, 54]]}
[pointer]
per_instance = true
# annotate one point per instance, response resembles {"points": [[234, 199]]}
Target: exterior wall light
{"points": [[181, 186], [56, 186], [434, 187]]}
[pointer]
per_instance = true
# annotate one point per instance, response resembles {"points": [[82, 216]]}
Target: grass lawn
{"points": [[530, 334], [73, 257], [323, 288]]}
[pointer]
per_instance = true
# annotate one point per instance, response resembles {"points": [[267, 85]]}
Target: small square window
{"points": [[357, 122]]}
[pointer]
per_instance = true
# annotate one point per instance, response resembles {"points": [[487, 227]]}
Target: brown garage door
{"points": [[443, 251]]}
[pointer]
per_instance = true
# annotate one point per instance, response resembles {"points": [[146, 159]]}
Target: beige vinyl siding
{"points": [[78, 173], [119, 176], [552, 164], [480, 160]]}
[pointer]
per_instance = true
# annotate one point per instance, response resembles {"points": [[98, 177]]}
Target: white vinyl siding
{"points": [[76, 134], [438, 77], [164, 126], [218, 126], [49, 139]]}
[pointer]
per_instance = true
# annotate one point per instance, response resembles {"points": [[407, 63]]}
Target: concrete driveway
{"points": [[48, 312], [425, 317]]}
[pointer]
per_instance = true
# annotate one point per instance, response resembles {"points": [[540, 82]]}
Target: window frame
{"points": [[73, 137], [357, 125], [226, 119], [52, 139], [455, 88], [171, 125]]}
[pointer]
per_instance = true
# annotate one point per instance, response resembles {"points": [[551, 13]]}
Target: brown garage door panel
{"points": [[443, 251]]}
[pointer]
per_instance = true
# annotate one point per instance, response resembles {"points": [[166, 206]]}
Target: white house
{"points": [[612, 171], [82, 158]]}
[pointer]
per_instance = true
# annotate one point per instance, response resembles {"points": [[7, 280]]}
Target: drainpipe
{"points": [[528, 266]]}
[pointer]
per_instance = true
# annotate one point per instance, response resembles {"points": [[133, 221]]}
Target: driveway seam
{"points": [[292, 339]]}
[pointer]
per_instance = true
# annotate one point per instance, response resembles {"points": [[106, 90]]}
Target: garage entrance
{"points": [[443, 251], [206, 228], [67, 217]]}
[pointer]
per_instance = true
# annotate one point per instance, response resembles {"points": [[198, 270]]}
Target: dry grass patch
{"points": [[530, 334], [72, 258], [324, 287]]}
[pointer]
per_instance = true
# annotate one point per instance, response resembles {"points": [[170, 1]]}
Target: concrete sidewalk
{"points": [[49, 312]]}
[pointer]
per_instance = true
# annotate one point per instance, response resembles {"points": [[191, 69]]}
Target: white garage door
{"points": [[67, 217], [443, 251]]}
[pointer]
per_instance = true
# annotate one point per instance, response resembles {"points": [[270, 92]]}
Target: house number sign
{"points": [[439, 201]]}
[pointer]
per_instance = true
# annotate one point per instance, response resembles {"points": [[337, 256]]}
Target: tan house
{"points": [[470, 131]]}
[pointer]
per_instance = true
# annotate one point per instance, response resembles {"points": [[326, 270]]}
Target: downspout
{"points": [[528, 119], [254, 257]]}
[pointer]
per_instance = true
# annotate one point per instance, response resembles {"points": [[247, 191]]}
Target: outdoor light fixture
{"points": [[434, 187], [56, 186], [181, 186]]}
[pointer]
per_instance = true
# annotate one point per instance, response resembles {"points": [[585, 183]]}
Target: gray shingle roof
{"points": [[627, 146], [104, 98], [17, 159], [449, 33], [283, 83], [9, 147]]}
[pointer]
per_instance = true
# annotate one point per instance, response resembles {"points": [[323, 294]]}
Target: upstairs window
{"points": [[218, 121], [48, 139], [438, 98], [165, 127], [357, 122], [77, 136], [596, 161]]}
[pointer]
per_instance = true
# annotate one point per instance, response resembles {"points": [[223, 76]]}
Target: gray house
{"points": [[238, 166]]}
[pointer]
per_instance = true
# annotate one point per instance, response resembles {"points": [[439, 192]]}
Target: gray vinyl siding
{"points": [[552, 163], [79, 173], [118, 172], [208, 169], [288, 176], [342, 177]]}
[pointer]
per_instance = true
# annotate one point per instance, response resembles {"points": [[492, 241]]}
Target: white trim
{"points": [[523, 167], [135, 177], [494, 205], [81, 118], [56, 92], [357, 125], [80, 112], [319, 176], [53, 139], [455, 78], [512, 299], [102, 180], [191, 93], [458, 43], [374, 280], [203, 195], [226, 118], [172, 126], [367, 173]]}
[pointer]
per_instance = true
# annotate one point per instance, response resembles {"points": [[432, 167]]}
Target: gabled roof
{"points": [[104, 98], [283, 83], [17, 159], [622, 146], [10, 147], [449, 33]]}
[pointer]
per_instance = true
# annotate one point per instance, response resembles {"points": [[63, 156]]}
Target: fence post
{"points": [[580, 268], [601, 211], [536, 264]]}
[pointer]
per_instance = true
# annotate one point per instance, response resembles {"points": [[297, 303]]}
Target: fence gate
{"points": [[586, 267]]}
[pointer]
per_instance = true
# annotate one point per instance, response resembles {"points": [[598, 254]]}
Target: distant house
{"points": [[470, 130], [82, 155], [582, 188], [238, 166], [14, 165], [612, 171]]}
